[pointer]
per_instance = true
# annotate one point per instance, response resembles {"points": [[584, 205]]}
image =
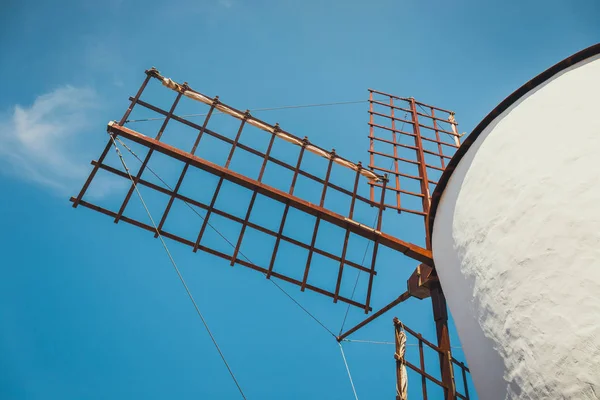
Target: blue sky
{"points": [[93, 310]]}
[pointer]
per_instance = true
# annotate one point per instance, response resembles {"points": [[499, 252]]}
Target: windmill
{"points": [[521, 266], [411, 144]]}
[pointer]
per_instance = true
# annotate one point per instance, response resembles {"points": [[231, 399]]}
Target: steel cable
{"points": [[228, 241], [257, 109], [189, 293]]}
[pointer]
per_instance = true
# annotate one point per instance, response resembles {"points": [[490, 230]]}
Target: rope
{"points": [[228, 241], [348, 370], [257, 109], [189, 293]]}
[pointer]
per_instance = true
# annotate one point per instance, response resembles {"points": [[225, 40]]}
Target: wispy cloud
{"points": [[39, 143]]}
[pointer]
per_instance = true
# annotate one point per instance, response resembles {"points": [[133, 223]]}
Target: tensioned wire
{"points": [[189, 293], [225, 238], [231, 244], [338, 103]]}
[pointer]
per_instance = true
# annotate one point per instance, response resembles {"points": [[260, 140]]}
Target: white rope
{"points": [[348, 370], [189, 293]]}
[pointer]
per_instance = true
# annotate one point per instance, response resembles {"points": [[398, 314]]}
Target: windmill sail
{"points": [[412, 142], [192, 158]]}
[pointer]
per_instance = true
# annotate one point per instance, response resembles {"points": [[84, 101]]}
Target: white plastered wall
{"points": [[516, 243]]}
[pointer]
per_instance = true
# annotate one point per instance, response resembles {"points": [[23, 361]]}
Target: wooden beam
{"points": [[413, 251]]}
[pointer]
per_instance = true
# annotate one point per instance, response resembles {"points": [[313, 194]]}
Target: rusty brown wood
{"points": [[184, 170], [395, 141], [417, 178], [410, 148], [461, 364], [434, 167], [258, 153], [408, 100], [397, 144], [267, 155], [347, 236], [146, 159], [179, 239], [252, 200], [298, 164], [392, 116], [376, 244], [440, 316], [435, 108], [437, 136], [327, 177], [403, 297], [425, 374], [421, 160], [439, 129], [441, 142], [388, 94], [165, 213], [243, 229], [210, 209], [203, 129], [240, 145], [317, 223], [291, 201], [371, 142], [437, 118], [277, 240], [380, 103], [235, 113], [425, 341], [137, 96], [310, 253], [406, 160], [132, 104], [464, 376], [218, 187], [236, 141], [413, 251], [341, 268], [422, 363], [387, 128]]}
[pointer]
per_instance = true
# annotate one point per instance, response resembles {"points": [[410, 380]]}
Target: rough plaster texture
{"points": [[516, 242]]}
